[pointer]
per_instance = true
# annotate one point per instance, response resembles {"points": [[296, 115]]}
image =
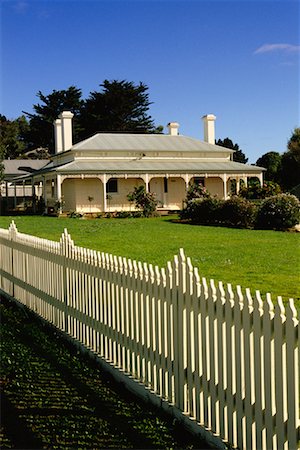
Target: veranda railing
{"points": [[226, 359]]}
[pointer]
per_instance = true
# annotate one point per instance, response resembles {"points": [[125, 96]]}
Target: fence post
{"points": [[66, 251], [12, 235]]}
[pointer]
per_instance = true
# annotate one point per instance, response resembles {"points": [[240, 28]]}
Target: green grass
{"points": [[258, 259], [56, 398]]}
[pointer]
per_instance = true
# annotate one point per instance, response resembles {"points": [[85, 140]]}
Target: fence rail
{"points": [[226, 359]]}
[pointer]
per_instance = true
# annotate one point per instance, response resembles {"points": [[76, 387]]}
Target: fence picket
{"points": [[292, 361], [269, 366], [222, 361], [230, 376], [280, 374], [226, 359], [239, 363]]}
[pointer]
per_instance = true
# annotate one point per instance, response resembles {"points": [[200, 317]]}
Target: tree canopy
{"points": [[120, 106], [12, 143], [272, 162], [40, 131], [284, 168], [239, 155], [290, 162]]}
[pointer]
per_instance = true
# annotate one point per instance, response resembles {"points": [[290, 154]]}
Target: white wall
{"points": [[76, 191]]}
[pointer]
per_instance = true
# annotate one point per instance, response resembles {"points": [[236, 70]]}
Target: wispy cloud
{"points": [[21, 7], [286, 48]]}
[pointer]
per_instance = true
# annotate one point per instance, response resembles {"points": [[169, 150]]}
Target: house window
{"points": [[199, 180], [165, 185], [112, 186]]}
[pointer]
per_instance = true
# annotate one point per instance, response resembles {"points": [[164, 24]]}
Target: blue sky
{"points": [[236, 59]]}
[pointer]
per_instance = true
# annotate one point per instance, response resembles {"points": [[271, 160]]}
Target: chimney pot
{"points": [[173, 128]]}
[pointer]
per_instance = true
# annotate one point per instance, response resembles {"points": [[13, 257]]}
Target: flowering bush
{"points": [[255, 191], [146, 201], [196, 190], [279, 212]]}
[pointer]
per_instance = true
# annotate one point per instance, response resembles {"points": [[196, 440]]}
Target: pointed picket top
{"points": [[268, 306], [181, 256], [146, 271], [135, 268], [116, 263], [151, 272], [240, 296], [157, 273], [280, 309], [12, 226], [204, 287], [212, 287], [291, 312], [66, 243], [12, 230], [258, 303], [220, 287], [120, 264], [140, 270], [163, 276], [111, 262]]}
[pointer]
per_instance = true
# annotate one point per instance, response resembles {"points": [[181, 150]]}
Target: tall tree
{"points": [[272, 162], [238, 155], [290, 163], [41, 133], [121, 106], [12, 144]]}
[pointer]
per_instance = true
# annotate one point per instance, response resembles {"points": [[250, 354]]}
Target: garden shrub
{"points": [[137, 214], [279, 212], [123, 214], [255, 191], [146, 201], [196, 190], [202, 210], [75, 215], [237, 212]]}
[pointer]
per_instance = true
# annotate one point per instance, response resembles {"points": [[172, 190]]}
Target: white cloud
{"points": [[287, 48]]}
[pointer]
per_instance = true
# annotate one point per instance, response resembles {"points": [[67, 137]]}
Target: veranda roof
{"points": [[19, 167], [157, 166]]}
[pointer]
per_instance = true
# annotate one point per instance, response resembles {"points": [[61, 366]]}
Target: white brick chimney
{"points": [[173, 128], [209, 128], [57, 135], [63, 132]]}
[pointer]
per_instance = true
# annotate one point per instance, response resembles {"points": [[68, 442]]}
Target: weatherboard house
{"points": [[96, 174]]}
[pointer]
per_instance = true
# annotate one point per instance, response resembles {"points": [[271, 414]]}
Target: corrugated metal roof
{"points": [[15, 167], [146, 142], [148, 166]]}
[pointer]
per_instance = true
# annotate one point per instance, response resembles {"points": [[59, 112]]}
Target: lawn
{"points": [[259, 259], [56, 398]]}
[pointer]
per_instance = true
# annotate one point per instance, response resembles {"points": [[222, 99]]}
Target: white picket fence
{"points": [[226, 359]]}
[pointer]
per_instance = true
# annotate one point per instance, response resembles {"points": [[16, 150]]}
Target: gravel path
{"points": [[53, 397]]}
